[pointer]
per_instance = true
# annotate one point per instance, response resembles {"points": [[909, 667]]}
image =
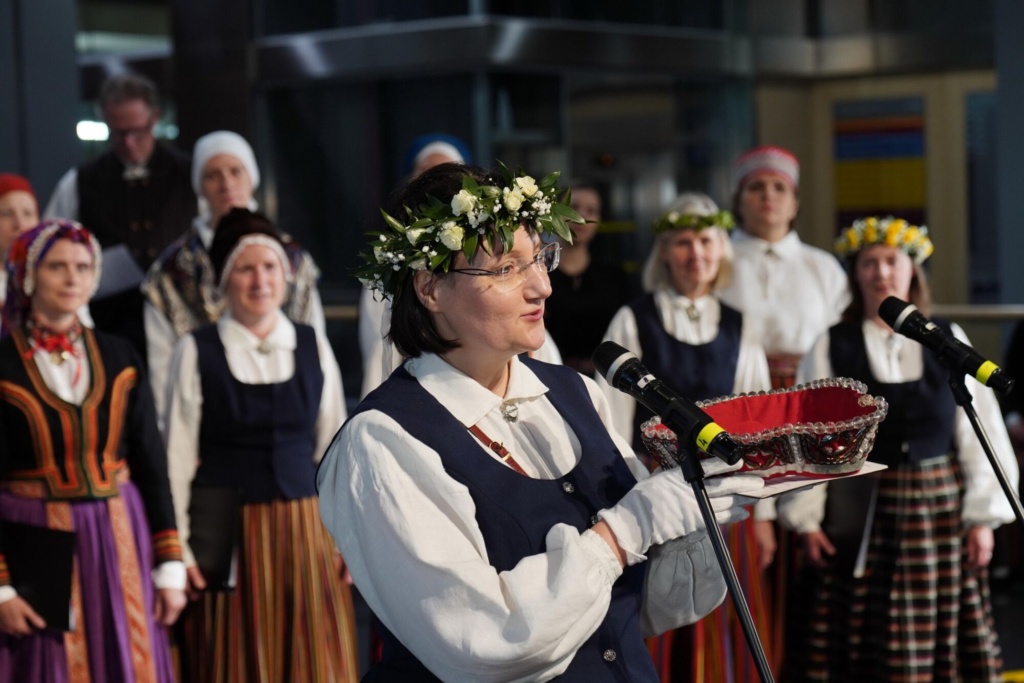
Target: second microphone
{"points": [[624, 371]]}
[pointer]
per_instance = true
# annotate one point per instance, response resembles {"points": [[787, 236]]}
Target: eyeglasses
{"points": [[133, 133], [513, 275]]}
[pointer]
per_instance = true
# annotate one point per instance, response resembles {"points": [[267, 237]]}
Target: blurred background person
{"points": [[585, 294], [80, 451], [19, 211], [702, 349], [136, 194], [896, 572], [255, 399], [181, 287], [789, 293]]}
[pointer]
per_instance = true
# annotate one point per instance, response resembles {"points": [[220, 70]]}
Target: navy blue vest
{"points": [[515, 514], [259, 438], [921, 415], [697, 372]]}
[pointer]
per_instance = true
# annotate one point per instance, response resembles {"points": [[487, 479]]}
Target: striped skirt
{"points": [[289, 618], [918, 614], [115, 639]]}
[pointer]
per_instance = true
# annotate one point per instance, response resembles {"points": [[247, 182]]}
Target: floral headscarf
{"points": [[24, 257]]}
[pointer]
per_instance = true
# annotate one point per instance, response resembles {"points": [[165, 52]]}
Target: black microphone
{"points": [[904, 318], [625, 372]]}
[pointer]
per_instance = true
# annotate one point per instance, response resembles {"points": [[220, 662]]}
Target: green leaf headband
{"points": [[477, 216], [892, 232], [675, 220]]}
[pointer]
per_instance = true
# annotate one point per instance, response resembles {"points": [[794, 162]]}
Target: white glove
{"points": [[663, 507]]}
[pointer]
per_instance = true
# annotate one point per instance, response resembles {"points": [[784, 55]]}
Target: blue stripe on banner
{"points": [[879, 145], [860, 109]]}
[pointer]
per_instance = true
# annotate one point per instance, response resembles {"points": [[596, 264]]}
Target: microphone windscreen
{"points": [[891, 309], [605, 356]]}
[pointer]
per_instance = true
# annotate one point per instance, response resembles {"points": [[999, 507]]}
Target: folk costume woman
{"points": [[80, 451], [492, 522], [701, 347], [903, 588], [19, 211], [255, 400], [181, 286], [789, 293]]}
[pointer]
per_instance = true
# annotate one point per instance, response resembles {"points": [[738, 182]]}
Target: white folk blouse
{"points": [[248, 365], [409, 534]]}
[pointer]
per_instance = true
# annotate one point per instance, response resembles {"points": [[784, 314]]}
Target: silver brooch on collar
{"points": [[509, 411]]}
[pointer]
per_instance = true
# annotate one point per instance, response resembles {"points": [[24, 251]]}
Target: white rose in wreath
{"points": [[527, 184], [463, 202], [513, 199], [451, 236]]}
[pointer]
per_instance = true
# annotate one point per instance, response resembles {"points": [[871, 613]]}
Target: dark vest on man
{"points": [[516, 512], [696, 371], [145, 215], [919, 424], [258, 438]]}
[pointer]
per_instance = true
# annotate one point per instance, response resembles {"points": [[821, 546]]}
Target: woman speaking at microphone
{"points": [[900, 592], [494, 524]]}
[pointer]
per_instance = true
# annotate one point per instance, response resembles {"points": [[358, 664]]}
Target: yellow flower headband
{"points": [[912, 240]]}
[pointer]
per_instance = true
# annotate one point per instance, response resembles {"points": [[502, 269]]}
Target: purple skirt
{"points": [[116, 639]]}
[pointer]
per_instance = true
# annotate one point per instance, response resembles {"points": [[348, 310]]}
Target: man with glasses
{"points": [[137, 194]]}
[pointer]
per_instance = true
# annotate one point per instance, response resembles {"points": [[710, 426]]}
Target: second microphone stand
{"points": [[962, 396], [693, 472]]}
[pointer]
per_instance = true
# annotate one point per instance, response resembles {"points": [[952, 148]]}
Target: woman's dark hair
{"points": [[412, 330], [920, 293], [233, 226]]}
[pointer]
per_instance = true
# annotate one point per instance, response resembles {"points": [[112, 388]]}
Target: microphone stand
{"points": [[694, 475], [962, 396]]}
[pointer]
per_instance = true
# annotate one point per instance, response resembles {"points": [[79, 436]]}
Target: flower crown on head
{"points": [[478, 216], [675, 220], [913, 240]]}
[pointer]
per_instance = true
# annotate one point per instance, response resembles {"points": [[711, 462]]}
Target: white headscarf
{"points": [[222, 142]]}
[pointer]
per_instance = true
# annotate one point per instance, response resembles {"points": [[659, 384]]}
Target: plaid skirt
{"points": [[918, 614]]}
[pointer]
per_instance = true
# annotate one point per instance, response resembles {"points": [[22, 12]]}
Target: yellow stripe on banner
{"points": [[880, 183], [707, 435], [1013, 676], [985, 371]]}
